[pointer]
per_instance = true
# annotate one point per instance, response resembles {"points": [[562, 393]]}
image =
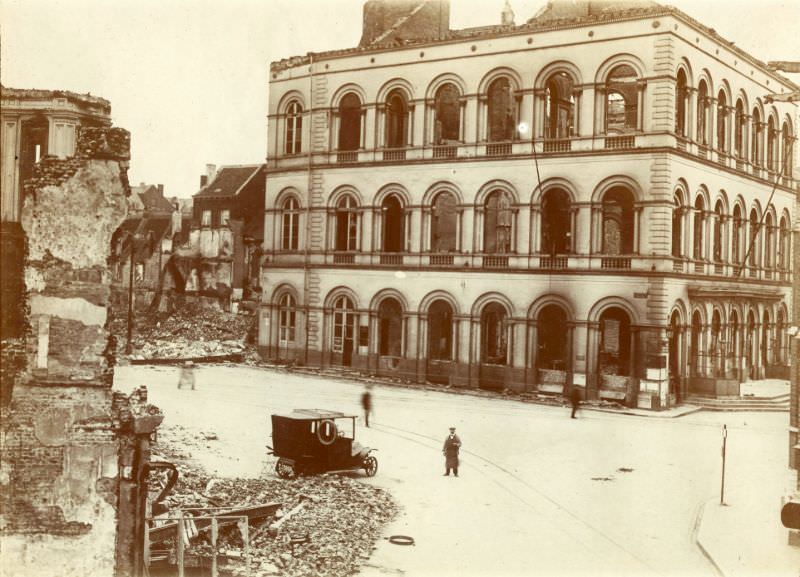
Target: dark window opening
{"points": [[396, 120], [390, 333], [717, 355], [440, 331], [681, 92], [696, 353], [494, 338], [788, 143], [722, 122], [497, 223], [393, 229], [618, 222], [501, 114], [756, 148], [344, 321], [552, 334], [699, 228], [350, 122], [444, 223], [622, 100], [753, 236], [737, 240], [615, 342], [294, 128], [559, 106], [677, 227], [702, 108], [556, 222], [769, 235], [765, 335], [739, 130], [447, 126], [346, 224], [772, 145], [34, 135], [717, 245]]}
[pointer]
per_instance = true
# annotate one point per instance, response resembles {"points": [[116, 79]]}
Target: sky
{"points": [[189, 78]]}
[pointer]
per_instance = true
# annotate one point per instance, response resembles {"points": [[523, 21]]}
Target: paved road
{"points": [[539, 493]]}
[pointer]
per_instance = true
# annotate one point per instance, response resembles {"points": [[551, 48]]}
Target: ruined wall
{"points": [[60, 474], [394, 21]]}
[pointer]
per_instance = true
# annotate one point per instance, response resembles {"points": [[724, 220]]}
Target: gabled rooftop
{"points": [[229, 180]]}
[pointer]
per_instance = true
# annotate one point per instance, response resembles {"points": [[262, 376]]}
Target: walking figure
{"points": [[575, 400], [366, 403], [187, 375], [450, 451]]}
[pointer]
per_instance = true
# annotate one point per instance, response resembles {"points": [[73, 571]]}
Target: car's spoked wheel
{"points": [[285, 469], [371, 466]]}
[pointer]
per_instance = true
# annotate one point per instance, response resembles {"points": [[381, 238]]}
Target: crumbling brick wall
{"points": [[63, 431]]}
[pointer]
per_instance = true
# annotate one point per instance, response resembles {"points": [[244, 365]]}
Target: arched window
{"points": [[440, 331], [494, 342], [390, 328], [344, 323], [772, 145], [677, 226], [702, 112], [618, 222], [681, 93], [737, 237], [675, 355], [447, 111], [444, 223], [501, 110], [699, 228], [717, 356], [780, 327], [347, 224], [739, 130], [497, 223], [290, 224], [294, 127], [350, 122], [696, 345], [769, 241], [783, 244], [751, 343], [788, 142], [752, 240], [734, 348], [756, 148], [766, 329], [622, 100], [552, 331], [393, 229], [722, 121], [718, 240], [287, 319], [615, 343], [559, 106], [556, 222], [396, 120]]}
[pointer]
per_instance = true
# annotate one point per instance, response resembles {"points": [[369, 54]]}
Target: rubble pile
{"points": [[327, 524], [192, 331]]}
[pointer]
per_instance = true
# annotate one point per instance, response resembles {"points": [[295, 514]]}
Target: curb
{"points": [[698, 521]]}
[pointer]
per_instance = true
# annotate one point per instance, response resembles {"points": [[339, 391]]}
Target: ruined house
{"points": [[74, 453]]}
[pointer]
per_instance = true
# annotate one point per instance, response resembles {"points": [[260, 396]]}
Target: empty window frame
{"points": [[494, 341], [497, 223], [294, 128], [740, 123], [552, 334], [681, 98], [788, 146], [347, 224], [350, 122], [559, 106], [393, 224], [757, 144], [501, 114], [440, 331], [772, 145], [206, 218], [396, 120], [698, 243], [677, 225], [738, 237], [444, 223], [618, 222], [615, 345], [753, 238], [783, 244], [556, 222], [447, 114], [717, 243], [344, 320], [622, 100], [722, 122], [390, 328], [703, 102]]}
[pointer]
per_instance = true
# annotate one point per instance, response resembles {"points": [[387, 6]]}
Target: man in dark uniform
{"points": [[450, 451], [366, 403], [575, 400]]}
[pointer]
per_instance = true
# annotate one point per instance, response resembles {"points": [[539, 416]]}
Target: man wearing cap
{"points": [[450, 451]]}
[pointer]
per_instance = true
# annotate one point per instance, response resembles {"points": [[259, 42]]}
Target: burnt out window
{"points": [[34, 136], [396, 120], [390, 328], [559, 106], [788, 143], [350, 122], [752, 240], [677, 226], [702, 112], [715, 350], [393, 229], [740, 122], [294, 128], [290, 224], [699, 228], [500, 107], [622, 100], [769, 238], [497, 223], [347, 217], [780, 338], [440, 331], [757, 147], [552, 334], [722, 121], [783, 244], [444, 223], [737, 236], [287, 318], [718, 240], [772, 145], [494, 339], [615, 342], [206, 218], [696, 344], [618, 222], [447, 123], [681, 96], [556, 222]]}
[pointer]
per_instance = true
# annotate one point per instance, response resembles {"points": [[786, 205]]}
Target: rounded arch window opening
{"points": [[444, 223], [447, 114], [681, 96], [390, 328], [614, 356], [494, 338], [344, 326], [618, 222], [552, 336], [346, 224], [559, 106], [393, 224], [440, 331], [501, 112], [622, 100], [497, 223], [556, 222], [350, 122], [396, 119]]}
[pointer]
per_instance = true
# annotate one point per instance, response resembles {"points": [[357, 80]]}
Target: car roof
{"points": [[313, 415]]}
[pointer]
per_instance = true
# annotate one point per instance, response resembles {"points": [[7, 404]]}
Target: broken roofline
{"points": [[41, 94], [532, 25], [206, 191]]}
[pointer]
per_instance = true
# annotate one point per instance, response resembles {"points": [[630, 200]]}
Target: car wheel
{"points": [[371, 466], [285, 469]]}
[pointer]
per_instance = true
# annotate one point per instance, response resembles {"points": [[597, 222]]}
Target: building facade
{"points": [[599, 198]]}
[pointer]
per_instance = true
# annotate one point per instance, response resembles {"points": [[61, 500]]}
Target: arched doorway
{"points": [[615, 350], [440, 341], [675, 357], [344, 331], [494, 346], [552, 361]]}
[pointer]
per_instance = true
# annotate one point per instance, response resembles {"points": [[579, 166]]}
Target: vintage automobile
{"points": [[308, 441]]}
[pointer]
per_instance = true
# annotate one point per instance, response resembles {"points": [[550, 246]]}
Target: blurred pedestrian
{"points": [[452, 444], [187, 375], [575, 400], [366, 403]]}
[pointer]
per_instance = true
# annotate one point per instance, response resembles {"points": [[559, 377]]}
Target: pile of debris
{"points": [[325, 525]]}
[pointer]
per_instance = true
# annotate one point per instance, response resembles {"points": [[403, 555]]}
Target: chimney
{"points": [[211, 172], [203, 180], [160, 190]]}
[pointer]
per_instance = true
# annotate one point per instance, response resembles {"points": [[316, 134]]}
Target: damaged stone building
{"points": [[584, 199], [74, 453]]}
